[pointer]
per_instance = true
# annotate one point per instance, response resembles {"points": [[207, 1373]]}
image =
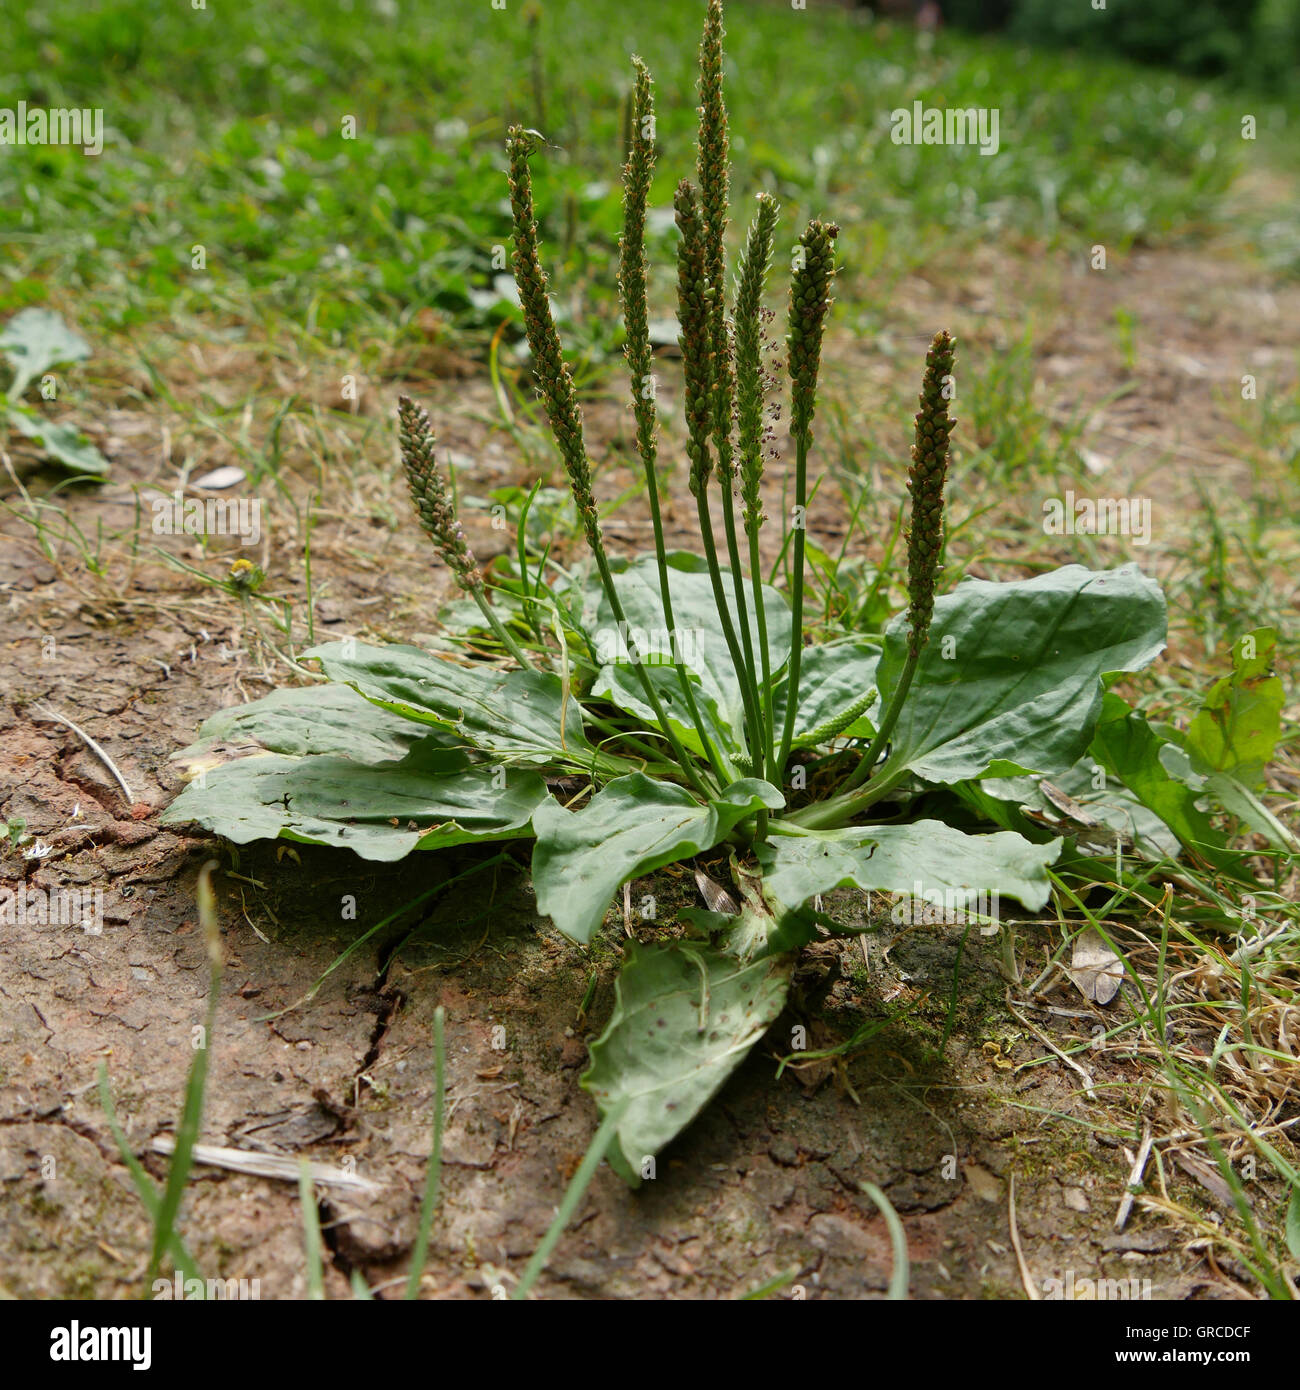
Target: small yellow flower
{"points": [[245, 576]]}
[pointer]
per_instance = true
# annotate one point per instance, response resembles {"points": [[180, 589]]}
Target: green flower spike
{"points": [[553, 378], [712, 173], [925, 480], [694, 299], [429, 496], [637, 173], [750, 378], [810, 301], [809, 304]]}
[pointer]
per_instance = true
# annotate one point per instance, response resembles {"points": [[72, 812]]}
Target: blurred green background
{"points": [[225, 128], [1256, 42]]}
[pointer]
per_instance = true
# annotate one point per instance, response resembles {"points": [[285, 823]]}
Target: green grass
{"points": [[224, 130]]}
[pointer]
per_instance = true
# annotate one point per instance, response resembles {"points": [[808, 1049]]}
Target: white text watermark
{"points": [[957, 125], [53, 907], [55, 125], [212, 516], [1098, 516]]}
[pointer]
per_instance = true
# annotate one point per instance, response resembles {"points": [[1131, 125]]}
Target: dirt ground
{"points": [[767, 1182]]}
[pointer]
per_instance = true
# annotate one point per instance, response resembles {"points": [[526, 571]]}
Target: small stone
{"points": [[840, 1238], [783, 1151], [982, 1183]]}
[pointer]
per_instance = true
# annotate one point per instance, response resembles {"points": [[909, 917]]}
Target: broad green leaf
{"points": [[431, 800], [36, 340], [302, 720], [834, 680], [512, 713], [620, 686], [685, 1015], [1010, 681], [1238, 726], [632, 827], [923, 859], [1231, 739], [1119, 815], [703, 646], [1129, 749], [64, 443]]}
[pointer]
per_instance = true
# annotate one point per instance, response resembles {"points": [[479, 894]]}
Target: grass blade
{"points": [[178, 1171], [898, 1281], [143, 1183], [601, 1141], [311, 1232]]}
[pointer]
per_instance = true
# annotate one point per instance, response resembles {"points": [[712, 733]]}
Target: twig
{"points": [[93, 746], [1026, 1278], [1134, 1179], [266, 1165], [1049, 1044]]}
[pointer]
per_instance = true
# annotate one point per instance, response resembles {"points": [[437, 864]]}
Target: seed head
{"points": [[694, 298], [637, 173], [750, 376], [925, 481], [553, 378], [429, 496], [809, 304], [713, 173]]}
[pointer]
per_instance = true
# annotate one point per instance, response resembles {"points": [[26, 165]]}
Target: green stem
{"points": [[612, 761], [495, 623], [839, 810], [765, 656], [433, 1174], [796, 604], [606, 1135], [746, 673], [886, 726], [722, 770], [651, 757], [651, 694], [724, 610]]}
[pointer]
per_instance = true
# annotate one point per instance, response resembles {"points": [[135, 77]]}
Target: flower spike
{"points": [[694, 300], [809, 304], [553, 377], [429, 495], [925, 481]]}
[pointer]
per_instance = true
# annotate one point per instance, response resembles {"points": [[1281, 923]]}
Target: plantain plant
{"points": [[627, 714]]}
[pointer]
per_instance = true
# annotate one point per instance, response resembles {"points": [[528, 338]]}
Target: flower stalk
{"points": [[637, 175], [713, 174], [695, 296], [809, 304], [751, 381], [437, 513], [926, 477], [562, 409]]}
